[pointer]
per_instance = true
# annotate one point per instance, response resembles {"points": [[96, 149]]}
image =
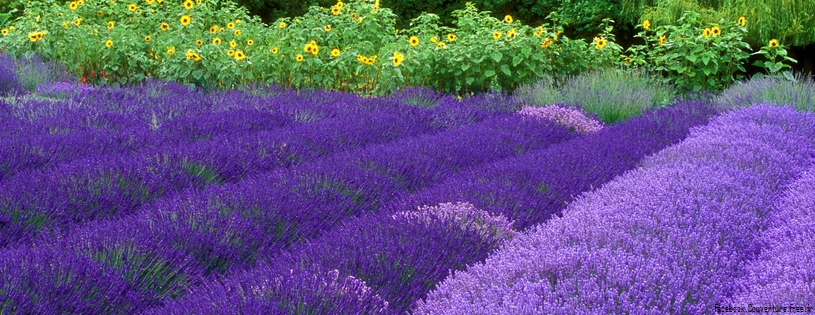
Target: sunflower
{"points": [[188, 4], [199, 42], [282, 25], [185, 20], [232, 43], [353, 16], [413, 41], [98, 13], [250, 42], [441, 45], [150, 1], [65, 25], [496, 35], [299, 58], [73, 5], [600, 43], [109, 43], [511, 34], [221, 29], [662, 40], [360, 58], [335, 11], [546, 43], [308, 48], [340, 4], [742, 21], [508, 19], [627, 60], [314, 49], [132, 7], [716, 31], [539, 28], [138, 11], [4, 31], [275, 50], [196, 57], [147, 38], [237, 32], [398, 58], [111, 25], [213, 29], [434, 39], [557, 35], [451, 37], [327, 28], [376, 8], [230, 52], [538, 34], [646, 25], [335, 52], [165, 26], [239, 55], [78, 21], [40, 35], [230, 25], [216, 41], [189, 54], [237, 21], [359, 21], [773, 43], [170, 50], [32, 36], [706, 33]]}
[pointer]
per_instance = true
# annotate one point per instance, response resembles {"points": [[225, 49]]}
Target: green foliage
{"points": [[790, 21], [694, 56], [613, 94], [352, 47], [775, 56]]}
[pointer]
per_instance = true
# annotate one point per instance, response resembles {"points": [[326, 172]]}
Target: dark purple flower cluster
{"points": [[110, 185], [9, 82], [174, 241], [397, 257], [671, 237]]}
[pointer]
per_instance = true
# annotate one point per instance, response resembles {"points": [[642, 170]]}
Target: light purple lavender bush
{"points": [[571, 118], [784, 272], [799, 93], [670, 237]]}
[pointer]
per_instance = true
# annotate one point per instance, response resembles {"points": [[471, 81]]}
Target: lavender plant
{"points": [[612, 94], [783, 272], [572, 118], [674, 244], [798, 93]]}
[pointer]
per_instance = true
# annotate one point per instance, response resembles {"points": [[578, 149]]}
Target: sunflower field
{"points": [[351, 47]]}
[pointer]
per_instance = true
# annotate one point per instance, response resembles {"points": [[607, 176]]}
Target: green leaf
{"points": [[691, 58], [197, 74], [505, 70], [470, 80], [489, 73], [465, 66], [516, 61], [496, 56]]}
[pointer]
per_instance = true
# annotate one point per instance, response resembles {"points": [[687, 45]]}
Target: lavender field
{"points": [[161, 199]]}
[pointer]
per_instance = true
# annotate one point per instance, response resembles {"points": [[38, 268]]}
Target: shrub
{"points": [[798, 93], [9, 81], [613, 94]]}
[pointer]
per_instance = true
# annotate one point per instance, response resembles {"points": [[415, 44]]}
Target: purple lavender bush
{"points": [[799, 93], [671, 237], [398, 257], [784, 272], [9, 81]]}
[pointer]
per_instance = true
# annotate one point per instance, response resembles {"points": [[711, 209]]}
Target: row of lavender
{"points": [[176, 242], [385, 261], [111, 183], [715, 224]]}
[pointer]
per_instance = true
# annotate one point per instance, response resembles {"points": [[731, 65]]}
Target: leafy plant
{"points": [[773, 65]]}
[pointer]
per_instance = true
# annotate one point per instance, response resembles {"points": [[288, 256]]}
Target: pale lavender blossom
{"points": [[571, 118], [467, 216]]}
